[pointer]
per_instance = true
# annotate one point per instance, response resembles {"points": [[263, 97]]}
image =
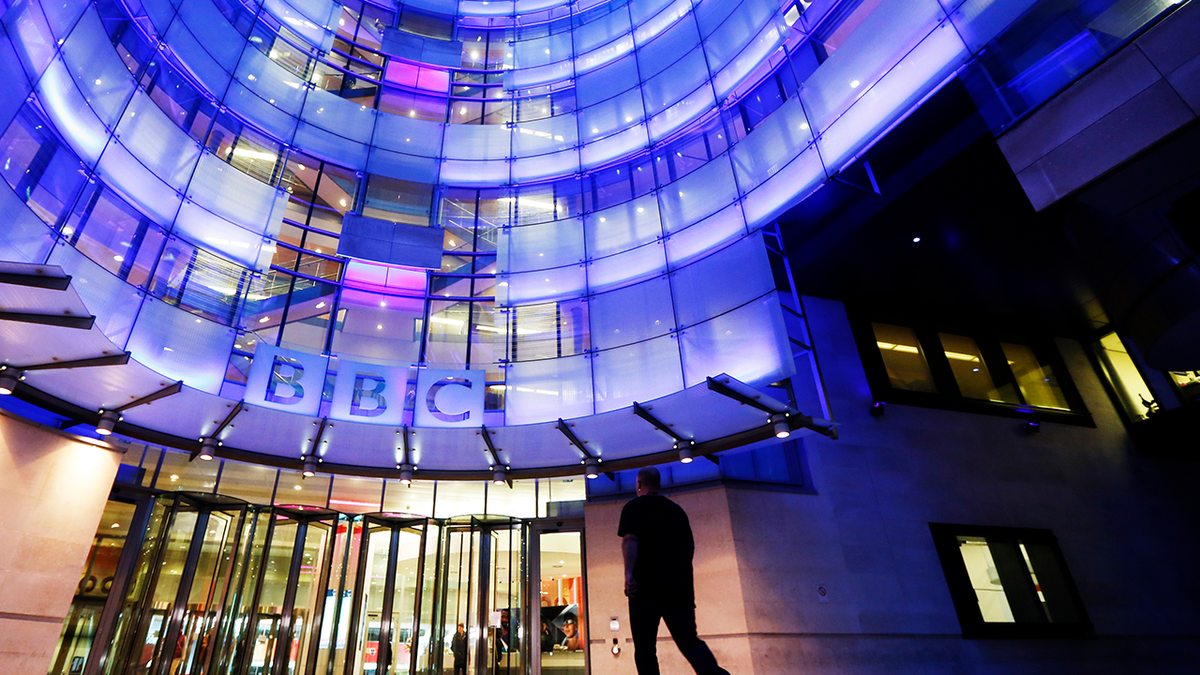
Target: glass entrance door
{"points": [[481, 593], [556, 565]]}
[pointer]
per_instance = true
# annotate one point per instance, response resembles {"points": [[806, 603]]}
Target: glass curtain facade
{"points": [[600, 171]]}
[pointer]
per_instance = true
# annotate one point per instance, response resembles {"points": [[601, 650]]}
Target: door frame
{"points": [[536, 527]]}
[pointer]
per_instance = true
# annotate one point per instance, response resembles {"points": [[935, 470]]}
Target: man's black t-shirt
{"points": [[665, 546]]}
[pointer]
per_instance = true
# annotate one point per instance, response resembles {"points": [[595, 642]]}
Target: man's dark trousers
{"points": [[678, 610]]}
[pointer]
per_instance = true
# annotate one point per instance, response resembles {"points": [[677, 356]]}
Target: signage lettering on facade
{"points": [[282, 379]]}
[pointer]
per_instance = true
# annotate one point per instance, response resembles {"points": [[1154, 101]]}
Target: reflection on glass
{"points": [[273, 586], [981, 568], [99, 571], [366, 652], [150, 647], [1036, 380], [561, 632], [971, 372], [207, 593], [902, 357], [335, 622]]}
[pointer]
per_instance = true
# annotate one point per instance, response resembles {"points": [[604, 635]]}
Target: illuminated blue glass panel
{"points": [[666, 48], [698, 194], [138, 185], [638, 372], [698, 239], [602, 83], [772, 144], [722, 281], [477, 141], [94, 66], [632, 314], [113, 302], [749, 343], [529, 287], [601, 30], [408, 135], [540, 391], [70, 113], [165, 149], [331, 147], [340, 116], [187, 48], [614, 114], [24, 237], [628, 267], [268, 117], [221, 40], [181, 346], [541, 246], [622, 227]]}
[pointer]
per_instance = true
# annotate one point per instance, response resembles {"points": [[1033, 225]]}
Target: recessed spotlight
{"points": [[916, 240], [854, 84]]}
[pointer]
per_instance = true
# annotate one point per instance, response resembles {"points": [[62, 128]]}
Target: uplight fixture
{"points": [[685, 451], [8, 379], [781, 426], [108, 420], [208, 446]]}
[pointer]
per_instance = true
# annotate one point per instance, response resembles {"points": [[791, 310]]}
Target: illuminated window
{"points": [[923, 367], [906, 365], [1008, 582]]}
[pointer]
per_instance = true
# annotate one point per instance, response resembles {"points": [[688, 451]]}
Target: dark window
{"points": [[959, 370], [1009, 582]]}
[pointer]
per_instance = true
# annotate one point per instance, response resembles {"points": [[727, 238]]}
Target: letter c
{"points": [[431, 399]]}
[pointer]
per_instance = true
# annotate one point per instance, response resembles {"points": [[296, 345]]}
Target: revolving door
{"points": [[216, 586]]}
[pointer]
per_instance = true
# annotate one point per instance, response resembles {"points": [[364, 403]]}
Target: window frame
{"points": [[948, 395], [962, 593]]}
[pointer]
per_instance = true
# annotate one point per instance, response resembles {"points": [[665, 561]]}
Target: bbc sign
{"points": [[292, 381]]}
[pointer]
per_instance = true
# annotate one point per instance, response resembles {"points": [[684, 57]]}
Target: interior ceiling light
{"points": [[310, 468], [592, 467], [499, 475], [208, 446], [108, 420], [781, 426], [406, 473], [685, 451], [8, 379]]}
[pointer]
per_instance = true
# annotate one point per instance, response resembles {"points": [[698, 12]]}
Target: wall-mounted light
{"points": [[685, 451], [208, 446], [406, 472], [108, 420], [781, 426], [310, 468], [616, 648], [592, 467], [8, 379], [499, 475]]}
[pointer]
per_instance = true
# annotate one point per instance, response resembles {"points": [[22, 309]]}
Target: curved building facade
{"points": [[567, 198]]}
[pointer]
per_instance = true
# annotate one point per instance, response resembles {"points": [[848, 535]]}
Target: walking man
{"points": [[657, 546], [458, 647]]}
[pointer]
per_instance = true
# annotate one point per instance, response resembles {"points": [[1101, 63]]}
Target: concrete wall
{"points": [[1141, 94], [1127, 526], [54, 488]]}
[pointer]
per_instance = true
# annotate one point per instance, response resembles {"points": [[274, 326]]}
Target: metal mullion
{"points": [[229, 594], [289, 599], [420, 577], [338, 597], [126, 563], [435, 635], [383, 662], [179, 607], [143, 625], [208, 602], [319, 609], [356, 604], [252, 620], [485, 548]]}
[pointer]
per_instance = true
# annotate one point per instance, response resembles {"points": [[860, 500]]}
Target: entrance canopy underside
{"points": [[52, 342]]}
